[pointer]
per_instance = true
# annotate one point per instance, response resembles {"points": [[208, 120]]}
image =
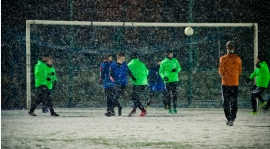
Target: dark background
{"points": [[15, 13]]}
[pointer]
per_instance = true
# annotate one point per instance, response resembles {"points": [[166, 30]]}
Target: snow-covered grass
{"points": [[89, 128]]}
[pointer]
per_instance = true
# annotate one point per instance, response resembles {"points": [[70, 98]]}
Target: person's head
{"points": [[44, 56], [230, 46], [49, 61], [134, 55], [120, 57], [108, 57], [261, 58], [169, 53]]}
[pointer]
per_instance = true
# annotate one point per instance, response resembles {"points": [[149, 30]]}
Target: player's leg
{"points": [[39, 98], [259, 91], [139, 103], [167, 95], [267, 105], [226, 103], [174, 96], [151, 96], [49, 103], [234, 106], [134, 98], [116, 102], [108, 96]]}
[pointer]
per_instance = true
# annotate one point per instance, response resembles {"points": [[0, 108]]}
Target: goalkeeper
{"points": [[169, 69]]}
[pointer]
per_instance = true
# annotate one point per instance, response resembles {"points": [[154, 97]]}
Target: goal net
{"points": [[78, 49]]}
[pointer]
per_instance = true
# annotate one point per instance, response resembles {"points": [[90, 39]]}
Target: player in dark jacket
{"points": [[156, 84], [108, 85], [118, 75]]}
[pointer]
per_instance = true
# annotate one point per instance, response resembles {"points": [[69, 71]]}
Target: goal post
{"points": [[120, 24]]}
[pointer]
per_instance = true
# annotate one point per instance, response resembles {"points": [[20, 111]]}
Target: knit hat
{"points": [[134, 55], [169, 52], [262, 57]]}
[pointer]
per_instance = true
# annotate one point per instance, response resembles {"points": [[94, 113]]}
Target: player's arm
{"points": [[178, 67], [256, 72], [221, 68], [240, 66], [111, 73], [101, 74], [130, 74]]}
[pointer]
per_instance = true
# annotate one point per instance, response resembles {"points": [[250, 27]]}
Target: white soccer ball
{"points": [[189, 31]]}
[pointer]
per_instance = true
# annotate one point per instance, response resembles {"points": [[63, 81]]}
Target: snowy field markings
{"points": [[89, 128]]}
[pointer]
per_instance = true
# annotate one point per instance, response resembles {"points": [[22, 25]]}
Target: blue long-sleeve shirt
{"points": [[105, 74], [118, 73]]}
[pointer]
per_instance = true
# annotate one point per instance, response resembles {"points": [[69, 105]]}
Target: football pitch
{"points": [[88, 128]]}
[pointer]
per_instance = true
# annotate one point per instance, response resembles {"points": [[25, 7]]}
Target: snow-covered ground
{"points": [[89, 129]]}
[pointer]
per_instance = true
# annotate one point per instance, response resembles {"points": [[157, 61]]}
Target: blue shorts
{"points": [[157, 87]]}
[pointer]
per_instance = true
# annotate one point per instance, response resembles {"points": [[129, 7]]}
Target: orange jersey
{"points": [[230, 68]]}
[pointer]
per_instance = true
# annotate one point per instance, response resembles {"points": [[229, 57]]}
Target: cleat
{"points": [[174, 111], [170, 111], [120, 111], [132, 113], [227, 123], [108, 114], [253, 113], [31, 113], [262, 104], [144, 112], [54, 114], [230, 123]]}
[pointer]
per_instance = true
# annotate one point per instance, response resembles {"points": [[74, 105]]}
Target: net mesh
{"points": [[78, 52]]}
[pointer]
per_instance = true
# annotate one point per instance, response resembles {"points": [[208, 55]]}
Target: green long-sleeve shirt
{"points": [[139, 71], [49, 84], [40, 72], [166, 67], [262, 75]]}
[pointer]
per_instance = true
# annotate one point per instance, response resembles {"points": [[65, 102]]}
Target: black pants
{"points": [[43, 95], [256, 93], [136, 91], [45, 103], [230, 106], [112, 95], [152, 94], [109, 92], [268, 104], [171, 87]]}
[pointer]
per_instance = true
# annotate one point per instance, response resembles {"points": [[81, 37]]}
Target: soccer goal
{"points": [[78, 47]]}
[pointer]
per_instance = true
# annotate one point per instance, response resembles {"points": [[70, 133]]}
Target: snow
{"points": [[89, 128]]}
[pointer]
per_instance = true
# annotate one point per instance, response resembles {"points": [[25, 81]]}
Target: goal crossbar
{"points": [[138, 24], [124, 24]]}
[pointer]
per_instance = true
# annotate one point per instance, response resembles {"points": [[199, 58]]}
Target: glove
{"points": [[166, 79], [52, 73], [134, 79], [48, 79], [174, 70], [248, 80], [258, 66]]}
